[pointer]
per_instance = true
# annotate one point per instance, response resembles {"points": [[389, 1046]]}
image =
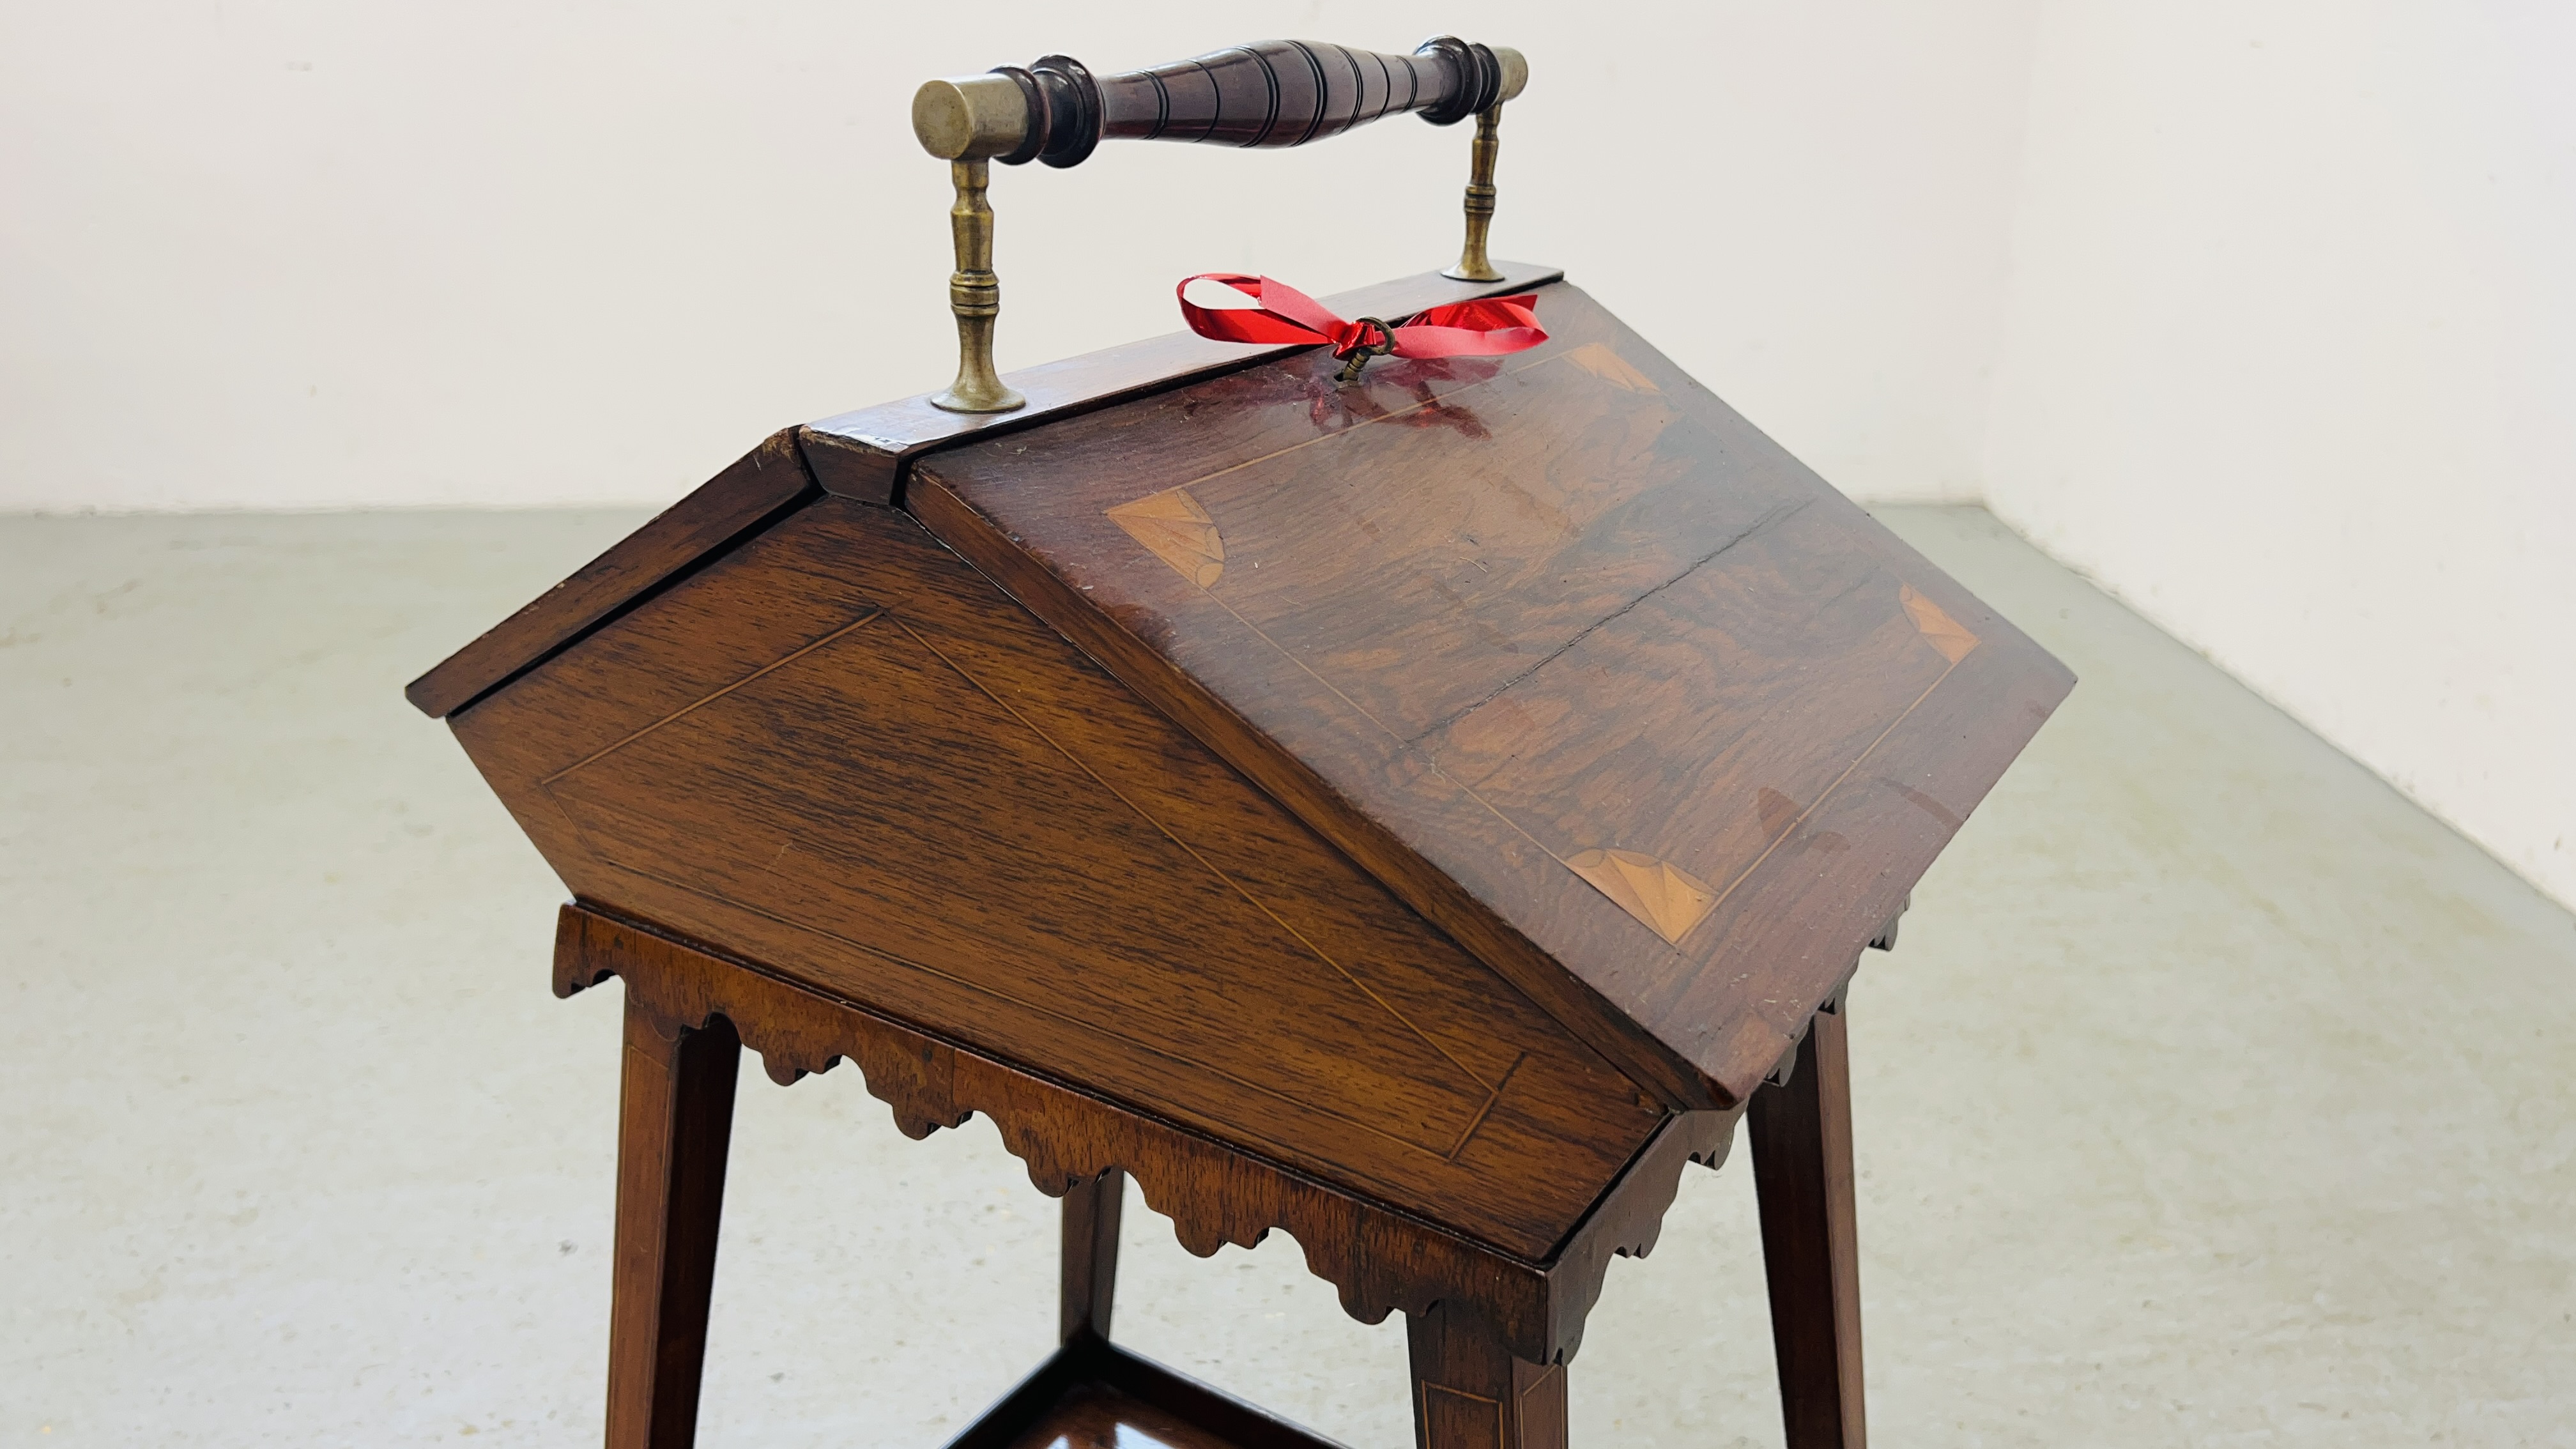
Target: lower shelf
{"points": [[1096, 1395]]}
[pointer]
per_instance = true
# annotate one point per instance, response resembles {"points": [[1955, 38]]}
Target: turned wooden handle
{"points": [[1270, 93]]}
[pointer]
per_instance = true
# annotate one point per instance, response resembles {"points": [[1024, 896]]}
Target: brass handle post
{"points": [[1473, 264], [975, 295]]}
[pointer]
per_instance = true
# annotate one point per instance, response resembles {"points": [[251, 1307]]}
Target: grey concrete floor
{"points": [[2215, 1095]]}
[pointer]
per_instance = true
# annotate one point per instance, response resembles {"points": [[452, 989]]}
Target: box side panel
{"points": [[728, 506], [842, 752]]}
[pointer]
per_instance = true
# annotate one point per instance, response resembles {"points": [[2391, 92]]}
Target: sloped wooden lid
{"points": [[863, 455], [1581, 664]]}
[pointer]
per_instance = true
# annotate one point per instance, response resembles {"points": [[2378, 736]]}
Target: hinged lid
{"points": [[1580, 663]]}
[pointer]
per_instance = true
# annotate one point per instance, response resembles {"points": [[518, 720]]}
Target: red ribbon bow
{"points": [[1482, 328]]}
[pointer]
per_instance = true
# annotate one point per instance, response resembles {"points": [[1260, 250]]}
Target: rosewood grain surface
{"points": [[1096, 1416], [675, 1127], [843, 752], [738, 500], [1379, 1259], [1586, 668], [863, 454], [1095, 1395], [1088, 1289], [1662, 1074], [1268, 93], [1281, 93], [1469, 1392], [1802, 1169]]}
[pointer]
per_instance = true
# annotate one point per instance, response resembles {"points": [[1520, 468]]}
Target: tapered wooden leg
{"points": [[675, 1119], [1470, 1393], [1091, 1254], [1802, 1171]]}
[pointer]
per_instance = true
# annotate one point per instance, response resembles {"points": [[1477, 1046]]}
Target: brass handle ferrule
{"points": [[970, 116]]}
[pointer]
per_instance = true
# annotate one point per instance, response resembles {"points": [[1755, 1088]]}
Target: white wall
{"points": [[2290, 365], [322, 254]]}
